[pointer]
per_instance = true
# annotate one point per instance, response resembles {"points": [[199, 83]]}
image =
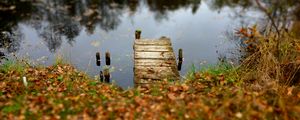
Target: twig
{"points": [[269, 15]]}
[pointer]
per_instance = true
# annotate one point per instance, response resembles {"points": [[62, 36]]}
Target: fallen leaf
{"points": [[290, 90], [89, 12], [95, 43], [171, 96]]}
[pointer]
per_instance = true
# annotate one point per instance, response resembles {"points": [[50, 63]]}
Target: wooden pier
{"points": [[154, 60]]}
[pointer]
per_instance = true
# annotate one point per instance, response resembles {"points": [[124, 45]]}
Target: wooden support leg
{"points": [[101, 77], [138, 34], [107, 58], [180, 59], [98, 59], [106, 75]]}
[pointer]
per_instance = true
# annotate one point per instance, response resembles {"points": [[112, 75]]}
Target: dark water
{"points": [[77, 29]]}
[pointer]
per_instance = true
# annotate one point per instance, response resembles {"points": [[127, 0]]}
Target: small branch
{"points": [[269, 15]]}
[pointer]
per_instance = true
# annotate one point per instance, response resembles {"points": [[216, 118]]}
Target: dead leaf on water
{"points": [[95, 43], [89, 12]]}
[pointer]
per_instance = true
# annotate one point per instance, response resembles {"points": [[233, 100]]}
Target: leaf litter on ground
{"points": [[62, 92]]}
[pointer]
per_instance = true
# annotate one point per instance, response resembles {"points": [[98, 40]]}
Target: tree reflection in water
{"points": [[284, 12]]}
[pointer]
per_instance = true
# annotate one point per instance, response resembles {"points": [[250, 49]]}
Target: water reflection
{"points": [[282, 11], [219, 4], [162, 7], [10, 40], [11, 13], [54, 19]]}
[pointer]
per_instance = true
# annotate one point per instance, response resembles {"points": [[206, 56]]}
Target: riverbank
{"points": [[62, 92]]}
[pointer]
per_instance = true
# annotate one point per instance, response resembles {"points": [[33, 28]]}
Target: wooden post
{"points": [[180, 59], [138, 34], [180, 54], [101, 76], [98, 59], [106, 75], [107, 58]]}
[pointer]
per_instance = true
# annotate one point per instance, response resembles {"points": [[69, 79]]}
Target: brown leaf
{"points": [[197, 75], [290, 91], [60, 70], [171, 96], [298, 95], [173, 88], [140, 101], [222, 79], [185, 87]]}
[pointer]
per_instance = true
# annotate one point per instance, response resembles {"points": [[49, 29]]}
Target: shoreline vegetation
{"points": [[263, 85], [221, 91]]}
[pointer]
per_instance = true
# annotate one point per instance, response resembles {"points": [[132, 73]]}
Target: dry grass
{"points": [[271, 60]]}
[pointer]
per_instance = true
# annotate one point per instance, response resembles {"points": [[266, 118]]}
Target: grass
{"points": [[215, 73], [59, 60], [11, 65], [12, 108]]}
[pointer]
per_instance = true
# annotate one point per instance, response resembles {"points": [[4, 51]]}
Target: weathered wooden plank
{"points": [[155, 73], [155, 70], [152, 42], [152, 48], [154, 62], [154, 55], [140, 81], [154, 77]]}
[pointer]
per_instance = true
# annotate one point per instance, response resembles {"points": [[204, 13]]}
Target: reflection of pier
{"points": [[154, 60]]}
